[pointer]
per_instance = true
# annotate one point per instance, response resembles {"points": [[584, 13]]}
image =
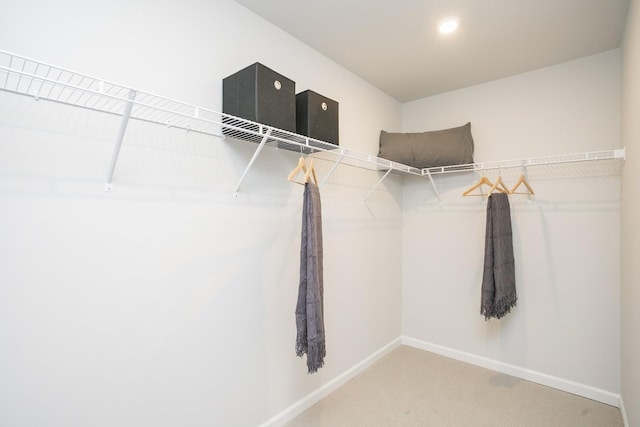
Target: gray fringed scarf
{"points": [[498, 278], [309, 309]]}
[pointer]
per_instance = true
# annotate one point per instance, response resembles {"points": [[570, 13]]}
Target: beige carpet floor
{"points": [[410, 387]]}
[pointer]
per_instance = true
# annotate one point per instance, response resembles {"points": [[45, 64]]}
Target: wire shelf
{"points": [[25, 76], [618, 154]]}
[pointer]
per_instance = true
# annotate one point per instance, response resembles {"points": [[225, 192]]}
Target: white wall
{"points": [[167, 302], [630, 213], [566, 240]]}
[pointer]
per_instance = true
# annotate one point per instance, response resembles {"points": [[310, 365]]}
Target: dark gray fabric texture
{"points": [[498, 278], [310, 337], [444, 147]]}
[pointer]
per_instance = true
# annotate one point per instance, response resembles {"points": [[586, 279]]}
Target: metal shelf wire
{"points": [[618, 154], [25, 76]]}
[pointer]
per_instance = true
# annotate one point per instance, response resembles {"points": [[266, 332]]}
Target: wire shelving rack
{"points": [[25, 76]]}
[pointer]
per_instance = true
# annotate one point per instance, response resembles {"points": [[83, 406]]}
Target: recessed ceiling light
{"points": [[448, 25]]}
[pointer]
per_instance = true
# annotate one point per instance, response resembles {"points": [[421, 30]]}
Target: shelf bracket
{"points": [[253, 159], [333, 168], [433, 185], [378, 183], [123, 127]]}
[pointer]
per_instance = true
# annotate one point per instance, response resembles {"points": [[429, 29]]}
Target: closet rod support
{"points": [[333, 168], [379, 182], [433, 185], [253, 159], [119, 138]]}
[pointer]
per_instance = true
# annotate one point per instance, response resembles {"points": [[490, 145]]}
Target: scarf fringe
{"points": [[315, 351], [301, 345], [500, 308]]}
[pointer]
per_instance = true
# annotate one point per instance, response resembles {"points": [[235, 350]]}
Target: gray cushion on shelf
{"points": [[427, 149]]}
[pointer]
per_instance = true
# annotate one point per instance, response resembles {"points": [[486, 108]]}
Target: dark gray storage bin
{"points": [[259, 94], [317, 117]]}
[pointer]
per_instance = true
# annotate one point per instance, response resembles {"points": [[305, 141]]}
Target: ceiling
{"points": [[395, 45]]}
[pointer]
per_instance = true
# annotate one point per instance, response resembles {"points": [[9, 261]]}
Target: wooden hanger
{"points": [[500, 186], [522, 180], [308, 170], [300, 167], [483, 181], [311, 173]]}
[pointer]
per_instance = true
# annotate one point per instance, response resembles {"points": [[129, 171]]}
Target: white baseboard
{"points": [[623, 411], [516, 371], [519, 372], [311, 399]]}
